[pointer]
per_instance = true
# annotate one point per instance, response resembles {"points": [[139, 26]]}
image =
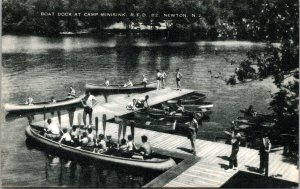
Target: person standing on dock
{"points": [[163, 78], [178, 79], [88, 102], [158, 79], [265, 147], [235, 142], [192, 132]]}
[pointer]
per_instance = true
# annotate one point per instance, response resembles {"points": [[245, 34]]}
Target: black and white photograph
{"points": [[149, 93]]}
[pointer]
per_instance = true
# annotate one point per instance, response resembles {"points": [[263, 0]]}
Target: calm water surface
{"points": [[43, 67]]}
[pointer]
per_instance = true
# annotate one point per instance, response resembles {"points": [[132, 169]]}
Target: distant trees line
{"points": [[219, 19]]}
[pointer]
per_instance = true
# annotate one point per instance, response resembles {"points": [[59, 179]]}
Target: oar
{"points": [[124, 130], [79, 119], [104, 123], [44, 111], [96, 124], [120, 130], [132, 124], [59, 118]]}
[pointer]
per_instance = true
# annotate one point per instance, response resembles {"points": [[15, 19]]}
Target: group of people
{"points": [[138, 103], [89, 141], [161, 77], [264, 149]]}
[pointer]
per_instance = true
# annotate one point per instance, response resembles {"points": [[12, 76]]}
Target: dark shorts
{"points": [[177, 79], [88, 110], [158, 78]]}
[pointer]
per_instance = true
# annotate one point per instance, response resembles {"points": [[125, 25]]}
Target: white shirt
{"points": [[103, 144], [53, 128], [130, 146], [91, 136], [89, 101], [66, 136], [158, 75], [106, 83], [145, 80], [164, 75], [131, 105], [129, 84], [72, 92]]}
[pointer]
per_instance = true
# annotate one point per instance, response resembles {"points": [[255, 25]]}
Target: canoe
{"points": [[190, 99], [155, 164], [42, 105], [120, 88], [202, 105]]}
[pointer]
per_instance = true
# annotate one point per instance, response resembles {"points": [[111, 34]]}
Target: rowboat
{"points": [[42, 105], [156, 163], [120, 88], [190, 99]]}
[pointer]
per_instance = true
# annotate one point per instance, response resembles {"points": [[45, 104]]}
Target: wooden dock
{"points": [[206, 171]]}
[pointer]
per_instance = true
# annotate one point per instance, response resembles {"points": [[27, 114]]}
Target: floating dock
{"points": [[207, 168]]}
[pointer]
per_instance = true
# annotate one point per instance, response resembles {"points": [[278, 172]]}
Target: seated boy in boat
{"points": [[123, 150], [146, 149], [91, 135], [29, 101], [131, 105], [72, 93], [52, 131], [100, 146], [85, 142], [106, 83], [66, 138], [75, 135], [131, 148], [128, 84]]}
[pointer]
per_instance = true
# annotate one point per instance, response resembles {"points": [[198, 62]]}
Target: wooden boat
{"points": [[156, 164], [202, 105], [139, 87], [42, 105], [190, 99]]}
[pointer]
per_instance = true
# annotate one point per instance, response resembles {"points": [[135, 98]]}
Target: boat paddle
{"points": [[59, 118], [96, 125], [132, 124], [44, 111], [174, 125], [104, 123], [124, 129], [120, 130], [79, 119]]}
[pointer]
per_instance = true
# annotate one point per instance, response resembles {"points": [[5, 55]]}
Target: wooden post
{"points": [[96, 124], [104, 123]]}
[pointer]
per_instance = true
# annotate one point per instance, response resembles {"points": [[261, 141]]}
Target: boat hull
{"points": [[76, 153], [41, 106], [120, 89]]}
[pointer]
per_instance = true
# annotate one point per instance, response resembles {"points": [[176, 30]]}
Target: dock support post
{"points": [[79, 119]]}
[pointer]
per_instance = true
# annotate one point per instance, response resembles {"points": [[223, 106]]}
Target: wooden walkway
{"points": [[209, 171]]}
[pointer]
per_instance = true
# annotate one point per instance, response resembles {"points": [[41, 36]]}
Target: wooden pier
{"points": [[207, 169]]}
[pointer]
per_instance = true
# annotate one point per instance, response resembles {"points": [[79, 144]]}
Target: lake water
{"points": [[43, 67]]}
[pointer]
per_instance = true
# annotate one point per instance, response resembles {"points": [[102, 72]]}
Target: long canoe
{"points": [[120, 88], [155, 164], [190, 99], [42, 105]]}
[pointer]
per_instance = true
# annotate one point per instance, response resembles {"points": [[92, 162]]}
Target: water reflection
{"points": [[91, 175]]}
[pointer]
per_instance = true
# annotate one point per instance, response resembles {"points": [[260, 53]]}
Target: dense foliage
{"points": [[279, 62]]}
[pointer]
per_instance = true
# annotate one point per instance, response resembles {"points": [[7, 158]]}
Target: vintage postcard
{"points": [[152, 93]]}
